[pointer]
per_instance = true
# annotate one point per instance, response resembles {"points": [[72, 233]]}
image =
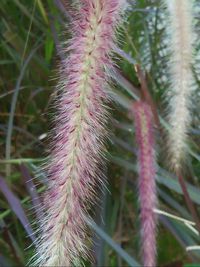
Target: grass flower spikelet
{"points": [[147, 185], [181, 35], [75, 167]]}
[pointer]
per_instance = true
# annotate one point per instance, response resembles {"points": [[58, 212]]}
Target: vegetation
{"points": [[33, 34]]}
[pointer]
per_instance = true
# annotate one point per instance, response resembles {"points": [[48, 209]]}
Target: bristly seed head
{"points": [[143, 119], [181, 34], [74, 169]]}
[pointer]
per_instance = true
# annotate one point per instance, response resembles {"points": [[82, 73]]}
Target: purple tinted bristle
{"points": [[147, 185], [78, 142]]}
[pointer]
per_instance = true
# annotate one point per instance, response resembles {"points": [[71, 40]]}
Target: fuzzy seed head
{"points": [[143, 119], [181, 78], [75, 167]]}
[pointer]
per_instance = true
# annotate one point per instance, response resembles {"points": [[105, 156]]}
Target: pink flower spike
{"points": [[75, 167], [147, 185]]}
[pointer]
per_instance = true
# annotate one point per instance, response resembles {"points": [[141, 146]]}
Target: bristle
{"points": [[182, 82], [143, 119], [75, 167]]}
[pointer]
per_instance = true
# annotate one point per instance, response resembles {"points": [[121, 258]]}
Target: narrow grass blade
{"points": [[123, 254], [16, 207], [28, 180], [13, 106], [163, 178]]}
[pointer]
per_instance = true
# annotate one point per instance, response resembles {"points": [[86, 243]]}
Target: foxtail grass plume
{"points": [[181, 34], [143, 119], [75, 167]]}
